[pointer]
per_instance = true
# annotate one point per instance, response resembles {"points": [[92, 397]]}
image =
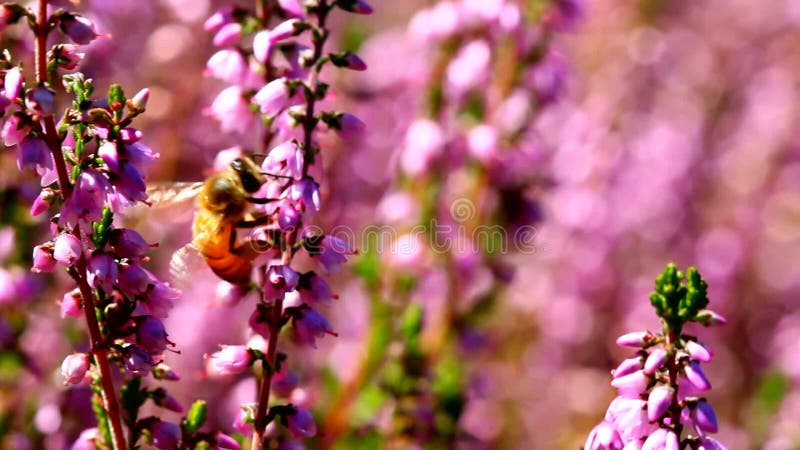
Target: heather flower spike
{"points": [[657, 406]]}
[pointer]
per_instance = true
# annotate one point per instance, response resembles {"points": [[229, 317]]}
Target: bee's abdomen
{"points": [[213, 241]]}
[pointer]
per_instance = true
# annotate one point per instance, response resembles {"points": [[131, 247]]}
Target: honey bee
{"points": [[224, 202]]}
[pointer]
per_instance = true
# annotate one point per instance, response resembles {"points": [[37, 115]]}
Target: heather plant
{"points": [[661, 402], [288, 101]]}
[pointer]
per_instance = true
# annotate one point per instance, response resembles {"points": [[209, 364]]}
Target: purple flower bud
{"points": [[163, 372], [137, 361], [42, 202], [658, 402], [628, 416], [306, 192], [350, 127], [283, 30], [128, 243], [34, 153], [288, 217], [631, 385], [710, 318], [286, 159], [301, 424], [165, 435], [228, 34], [699, 351], [627, 366], [78, 28], [164, 400], [14, 130], [43, 260], [655, 361], [86, 440], [262, 46], [356, 6], [151, 335], [696, 376], [159, 299], [635, 339], [102, 271], [313, 289], [13, 83], [70, 304], [603, 437], [139, 101], [704, 417], [40, 100], [74, 368], [273, 97], [310, 326], [293, 7], [330, 253], [67, 249], [661, 439], [219, 19], [230, 360], [229, 65], [225, 441]]}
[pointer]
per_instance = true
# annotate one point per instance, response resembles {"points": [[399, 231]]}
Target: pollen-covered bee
{"points": [[224, 202]]}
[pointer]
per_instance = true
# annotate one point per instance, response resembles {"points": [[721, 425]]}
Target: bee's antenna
{"points": [[275, 175]]}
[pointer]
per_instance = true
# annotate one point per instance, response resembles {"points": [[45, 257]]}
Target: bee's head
{"points": [[248, 173]]}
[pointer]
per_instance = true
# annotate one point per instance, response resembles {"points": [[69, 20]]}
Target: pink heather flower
{"points": [[166, 401], [306, 193], [710, 318], [14, 130], [231, 109], [262, 46], [293, 7], [243, 421], [627, 366], [74, 368], [230, 66], [301, 424], [283, 30], [603, 437], [469, 68], [634, 339], [229, 360], [628, 416], [286, 159], [311, 326], [228, 34], [78, 28], [68, 56], [13, 83], [280, 280], [273, 97], [102, 271], [67, 249], [218, 19], [658, 402], [350, 127], [225, 441], [439, 22], [163, 372], [127, 243], [86, 440], [139, 100], [661, 439], [140, 156], [42, 202], [423, 143], [151, 335], [43, 260], [87, 199], [159, 299], [631, 385], [34, 153], [655, 361], [133, 279], [108, 151], [288, 216], [696, 376], [704, 417], [165, 435], [70, 304], [699, 351], [353, 62]]}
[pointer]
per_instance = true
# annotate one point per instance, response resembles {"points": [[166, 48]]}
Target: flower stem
{"points": [[319, 43], [98, 349]]}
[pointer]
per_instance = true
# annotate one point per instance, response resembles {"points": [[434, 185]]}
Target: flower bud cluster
{"points": [[660, 403]]}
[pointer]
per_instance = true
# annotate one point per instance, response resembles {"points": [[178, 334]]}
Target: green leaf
{"points": [[196, 417], [116, 94], [132, 397]]}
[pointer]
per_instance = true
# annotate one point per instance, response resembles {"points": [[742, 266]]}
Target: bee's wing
{"points": [[185, 262], [171, 194], [169, 203]]}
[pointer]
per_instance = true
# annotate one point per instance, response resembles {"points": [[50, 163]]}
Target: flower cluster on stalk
{"points": [[273, 58], [660, 403], [91, 163]]}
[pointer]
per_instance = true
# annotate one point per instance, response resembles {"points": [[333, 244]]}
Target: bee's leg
{"points": [[261, 201], [247, 224], [261, 220]]}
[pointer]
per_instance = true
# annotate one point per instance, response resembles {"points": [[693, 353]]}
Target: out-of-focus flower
{"points": [[229, 360], [74, 368], [301, 424], [165, 435], [310, 325], [80, 29]]}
